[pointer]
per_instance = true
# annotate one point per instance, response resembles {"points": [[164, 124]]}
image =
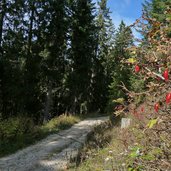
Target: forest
{"points": [[66, 57], [58, 57]]}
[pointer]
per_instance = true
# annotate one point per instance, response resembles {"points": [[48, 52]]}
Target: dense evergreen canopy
{"points": [[57, 57]]}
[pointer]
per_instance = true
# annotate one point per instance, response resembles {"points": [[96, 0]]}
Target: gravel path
{"points": [[54, 152]]}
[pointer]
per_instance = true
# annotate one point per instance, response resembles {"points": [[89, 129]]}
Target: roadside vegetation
{"points": [[87, 66], [56, 57], [146, 144], [17, 133]]}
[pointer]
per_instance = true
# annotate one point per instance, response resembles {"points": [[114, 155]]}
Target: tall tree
{"points": [[120, 74], [2, 15], [54, 61], [156, 9], [12, 42], [106, 29], [82, 52], [105, 41], [32, 92]]}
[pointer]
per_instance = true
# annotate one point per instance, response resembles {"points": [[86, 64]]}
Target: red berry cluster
{"points": [[168, 96], [168, 99], [166, 77], [137, 68], [165, 73]]}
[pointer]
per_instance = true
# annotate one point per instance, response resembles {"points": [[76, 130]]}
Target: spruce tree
{"points": [[156, 9], [54, 56], [123, 40], [105, 38], [32, 92], [12, 42], [82, 52]]}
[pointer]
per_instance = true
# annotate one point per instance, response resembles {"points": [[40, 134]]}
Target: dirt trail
{"points": [[54, 152]]}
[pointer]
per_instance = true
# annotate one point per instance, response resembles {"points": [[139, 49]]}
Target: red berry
{"points": [[166, 74], [137, 68], [168, 98], [135, 114], [142, 109], [156, 107]]}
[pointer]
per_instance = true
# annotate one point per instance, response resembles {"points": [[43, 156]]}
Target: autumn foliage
{"points": [[151, 61]]}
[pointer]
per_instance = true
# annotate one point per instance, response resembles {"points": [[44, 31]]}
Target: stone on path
{"points": [[125, 122]]}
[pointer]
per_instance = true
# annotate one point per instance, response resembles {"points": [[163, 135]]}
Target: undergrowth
{"points": [[17, 133], [144, 146], [92, 156]]}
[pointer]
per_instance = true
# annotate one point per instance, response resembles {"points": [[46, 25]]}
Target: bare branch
{"points": [[154, 73], [132, 93]]}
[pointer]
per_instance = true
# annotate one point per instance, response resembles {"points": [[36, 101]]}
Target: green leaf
{"points": [[148, 157], [133, 154], [132, 60], [151, 123], [119, 100]]}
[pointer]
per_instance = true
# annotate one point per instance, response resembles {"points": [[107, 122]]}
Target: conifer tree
{"points": [[120, 74], [156, 9], [82, 52], [105, 38], [55, 61], [12, 41]]}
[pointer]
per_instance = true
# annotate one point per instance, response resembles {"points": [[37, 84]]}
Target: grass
{"points": [[17, 133], [137, 148], [115, 155], [102, 151]]}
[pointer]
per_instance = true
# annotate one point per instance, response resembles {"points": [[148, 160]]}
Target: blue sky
{"points": [[127, 10]]}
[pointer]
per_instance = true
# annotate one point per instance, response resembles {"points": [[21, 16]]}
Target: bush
{"points": [[17, 133], [13, 127], [61, 122], [137, 85]]}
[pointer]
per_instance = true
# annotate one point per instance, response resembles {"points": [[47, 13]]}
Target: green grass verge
{"points": [[103, 158], [17, 133], [136, 148], [102, 150]]}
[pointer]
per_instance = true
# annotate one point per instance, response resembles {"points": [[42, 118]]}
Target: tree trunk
{"points": [[48, 103], [31, 28], [2, 15], [3, 6]]}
